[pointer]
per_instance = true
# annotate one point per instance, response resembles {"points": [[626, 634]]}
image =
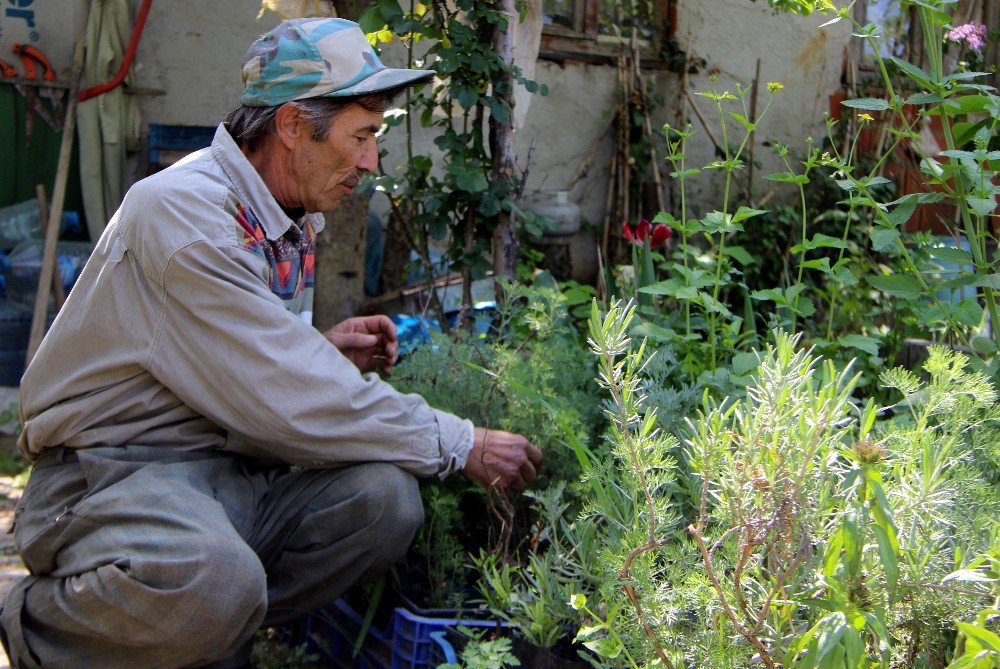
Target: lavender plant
{"points": [[827, 533]]}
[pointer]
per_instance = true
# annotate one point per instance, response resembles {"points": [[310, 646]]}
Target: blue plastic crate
{"points": [[418, 640], [332, 633], [164, 137], [411, 641]]}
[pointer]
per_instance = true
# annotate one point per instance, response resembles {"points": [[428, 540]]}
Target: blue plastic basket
{"points": [[164, 137], [411, 641], [418, 640]]}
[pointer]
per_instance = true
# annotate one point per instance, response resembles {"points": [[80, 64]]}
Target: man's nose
{"points": [[369, 159]]}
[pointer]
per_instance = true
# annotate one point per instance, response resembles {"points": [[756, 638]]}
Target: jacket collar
{"points": [[250, 185]]}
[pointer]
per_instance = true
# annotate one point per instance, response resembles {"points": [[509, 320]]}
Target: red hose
{"points": [[130, 50]]}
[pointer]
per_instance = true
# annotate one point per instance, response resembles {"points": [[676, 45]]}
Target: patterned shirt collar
{"points": [[248, 182]]}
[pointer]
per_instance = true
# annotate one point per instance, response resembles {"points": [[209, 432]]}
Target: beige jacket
{"points": [[173, 337]]}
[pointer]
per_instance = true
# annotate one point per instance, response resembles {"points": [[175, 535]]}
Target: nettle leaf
{"points": [[712, 305], [897, 285], [744, 363], [685, 174], [717, 222], [950, 254], [924, 99], [820, 241], [930, 198], [739, 254], [914, 72], [868, 104], [803, 306], [883, 238], [956, 153], [988, 281], [788, 178], [981, 205], [819, 263], [902, 212], [743, 213], [845, 276], [867, 344], [771, 294]]}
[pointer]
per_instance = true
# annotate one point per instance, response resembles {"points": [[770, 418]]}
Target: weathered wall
{"points": [[192, 50]]}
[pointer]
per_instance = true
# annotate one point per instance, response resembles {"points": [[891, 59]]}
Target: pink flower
{"points": [[643, 230], [973, 34]]}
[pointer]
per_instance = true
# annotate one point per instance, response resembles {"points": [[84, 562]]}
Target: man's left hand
{"points": [[367, 341]]}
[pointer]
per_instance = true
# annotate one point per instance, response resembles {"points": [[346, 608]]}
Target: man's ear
{"points": [[289, 125]]}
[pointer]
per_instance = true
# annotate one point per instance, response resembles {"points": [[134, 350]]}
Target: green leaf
{"points": [[987, 281], [883, 238], [604, 648], [845, 276], [771, 294], [981, 205], [868, 104], [744, 363], [819, 263], [471, 181], [803, 306], [820, 241], [499, 110], [888, 556], [950, 254], [914, 72], [924, 99], [867, 344], [968, 576], [902, 212], [897, 285], [740, 255], [788, 177], [985, 638], [743, 213]]}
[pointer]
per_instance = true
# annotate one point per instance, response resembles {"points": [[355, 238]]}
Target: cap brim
{"points": [[382, 80]]}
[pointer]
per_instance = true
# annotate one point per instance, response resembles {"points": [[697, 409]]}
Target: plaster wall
{"points": [[192, 50]]}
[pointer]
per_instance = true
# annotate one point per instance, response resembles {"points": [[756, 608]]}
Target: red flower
{"points": [[628, 232], [643, 230], [661, 233]]}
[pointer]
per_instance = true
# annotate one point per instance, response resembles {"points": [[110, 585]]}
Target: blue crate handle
{"points": [[449, 650]]}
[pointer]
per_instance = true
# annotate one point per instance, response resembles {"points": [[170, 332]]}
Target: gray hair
{"points": [[249, 125]]}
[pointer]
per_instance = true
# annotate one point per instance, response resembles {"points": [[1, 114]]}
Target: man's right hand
{"points": [[501, 460]]}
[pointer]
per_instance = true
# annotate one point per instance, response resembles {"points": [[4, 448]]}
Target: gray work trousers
{"points": [[144, 557]]}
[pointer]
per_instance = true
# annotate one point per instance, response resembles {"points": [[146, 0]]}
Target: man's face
{"points": [[326, 171]]}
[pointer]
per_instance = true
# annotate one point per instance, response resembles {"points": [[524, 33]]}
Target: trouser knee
{"points": [[393, 511]]}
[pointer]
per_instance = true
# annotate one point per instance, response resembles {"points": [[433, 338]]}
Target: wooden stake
{"points": [[38, 321], [43, 211]]}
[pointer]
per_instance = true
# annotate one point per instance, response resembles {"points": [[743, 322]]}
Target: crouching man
{"points": [[163, 522]]}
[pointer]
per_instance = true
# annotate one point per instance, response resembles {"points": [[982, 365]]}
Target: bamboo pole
{"points": [[39, 318]]}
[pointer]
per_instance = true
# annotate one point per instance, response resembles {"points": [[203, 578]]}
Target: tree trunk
{"points": [[505, 244]]}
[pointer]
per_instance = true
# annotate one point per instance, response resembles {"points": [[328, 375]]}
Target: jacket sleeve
{"points": [[230, 350]]}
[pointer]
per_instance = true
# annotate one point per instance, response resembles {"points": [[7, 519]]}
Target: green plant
{"points": [[532, 377], [828, 533], [962, 175], [484, 653], [463, 204]]}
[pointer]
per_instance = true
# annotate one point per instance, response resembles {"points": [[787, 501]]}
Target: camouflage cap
{"points": [[310, 58]]}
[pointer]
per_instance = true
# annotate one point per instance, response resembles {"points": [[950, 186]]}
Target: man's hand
{"points": [[367, 341], [502, 460]]}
